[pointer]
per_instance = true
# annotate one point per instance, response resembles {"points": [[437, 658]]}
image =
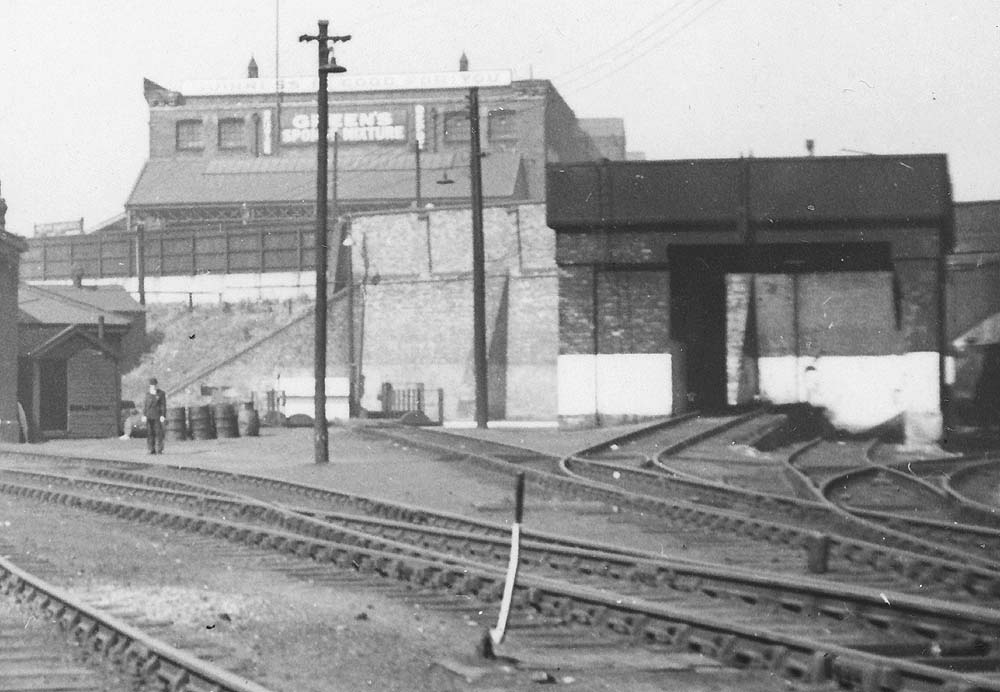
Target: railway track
{"points": [[33, 656], [821, 471], [739, 514], [976, 485], [83, 648], [900, 502], [806, 631]]}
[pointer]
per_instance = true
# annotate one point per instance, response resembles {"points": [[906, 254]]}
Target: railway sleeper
{"points": [[173, 679], [154, 514], [809, 668], [865, 677], [664, 633]]}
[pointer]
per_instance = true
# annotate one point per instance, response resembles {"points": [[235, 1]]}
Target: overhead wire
{"points": [[652, 31], [615, 45], [642, 54]]}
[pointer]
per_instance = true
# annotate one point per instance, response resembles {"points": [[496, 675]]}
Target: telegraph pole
{"points": [[326, 66], [140, 260], [478, 263]]}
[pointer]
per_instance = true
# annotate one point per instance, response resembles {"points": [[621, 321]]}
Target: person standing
{"points": [[154, 413]]}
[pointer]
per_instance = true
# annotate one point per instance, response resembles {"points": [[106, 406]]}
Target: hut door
{"points": [[52, 385]]}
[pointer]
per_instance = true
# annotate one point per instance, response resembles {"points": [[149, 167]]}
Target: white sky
{"points": [[694, 78]]}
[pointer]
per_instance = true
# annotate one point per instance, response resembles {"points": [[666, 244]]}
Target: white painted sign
{"points": [[301, 127], [348, 83]]}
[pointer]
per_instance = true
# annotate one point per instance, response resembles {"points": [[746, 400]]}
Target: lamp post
{"points": [[326, 66]]}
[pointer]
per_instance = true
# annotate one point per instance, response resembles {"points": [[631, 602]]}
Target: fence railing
{"points": [[171, 252], [396, 402]]}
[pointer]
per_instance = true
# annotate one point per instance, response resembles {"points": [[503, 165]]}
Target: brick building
{"points": [[243, 150], [815, 280]]}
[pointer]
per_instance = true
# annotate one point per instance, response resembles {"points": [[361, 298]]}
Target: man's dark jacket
{"points": [[155, 406]]}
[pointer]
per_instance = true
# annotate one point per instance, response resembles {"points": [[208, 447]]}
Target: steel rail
{"points": [[928, 563], [916, 615], [901, 531], [119, 643], [410, 514], [793, 657], [958, 475], [956, 512]]}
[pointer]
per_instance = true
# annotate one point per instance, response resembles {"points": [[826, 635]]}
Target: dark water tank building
{"points": [[712, 283]]}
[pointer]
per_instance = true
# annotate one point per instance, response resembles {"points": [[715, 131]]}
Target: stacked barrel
{"points": [[176, 425], [207, 422], [200, 420], [248, 421], [224, 416]]}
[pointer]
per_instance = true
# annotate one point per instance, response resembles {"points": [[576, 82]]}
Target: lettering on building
{"points": [[299, 127]]}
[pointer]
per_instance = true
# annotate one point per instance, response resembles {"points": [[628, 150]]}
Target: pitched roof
{"points": [[367, 178], [39, 305], [70, 333], [108, 298]]}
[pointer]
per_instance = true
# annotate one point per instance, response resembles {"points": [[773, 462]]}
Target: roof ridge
{"points": [[65, 298]]}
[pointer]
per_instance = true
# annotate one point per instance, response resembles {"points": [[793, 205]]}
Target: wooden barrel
{"points": [[176, 425], [225, 420], [247, 420], [200, 423]]}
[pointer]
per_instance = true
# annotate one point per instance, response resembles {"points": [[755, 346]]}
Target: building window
{"points": [[231, 135], [189, 134], [502, 124], [456, 126]]}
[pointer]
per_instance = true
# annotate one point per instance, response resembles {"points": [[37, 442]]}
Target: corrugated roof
{"points": [[41, 306], [360, 179], [977, 227]]}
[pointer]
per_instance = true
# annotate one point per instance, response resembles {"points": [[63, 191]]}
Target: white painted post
{"points": [[497, 633]]}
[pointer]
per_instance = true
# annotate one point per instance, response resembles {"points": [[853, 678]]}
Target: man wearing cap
{"points": [[154, 413]]}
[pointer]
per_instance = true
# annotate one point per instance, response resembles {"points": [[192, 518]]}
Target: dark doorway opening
{"points": [[698, 322], [53, 394], [698, 298]]}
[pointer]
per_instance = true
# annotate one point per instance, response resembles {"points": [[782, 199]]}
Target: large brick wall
{"points": [[413, 315], [633, 311], [417, 307]]}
